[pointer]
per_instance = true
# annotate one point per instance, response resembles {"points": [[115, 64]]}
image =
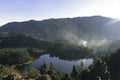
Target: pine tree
{"points": [[75, 73], [66, 77], [44, 68]]}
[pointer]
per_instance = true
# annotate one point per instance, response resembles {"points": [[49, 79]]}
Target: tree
{"points": [[66, 77], [51, 66], [114, 64], [44, 77], [43, 69], [99, 68], [81, 65], [75, 73], [85, 74], [32, 73]]}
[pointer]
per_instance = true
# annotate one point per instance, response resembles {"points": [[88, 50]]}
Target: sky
{"points": [[23, 10]]}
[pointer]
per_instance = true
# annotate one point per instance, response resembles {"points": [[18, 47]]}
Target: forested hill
{"points": [[65, 28]]}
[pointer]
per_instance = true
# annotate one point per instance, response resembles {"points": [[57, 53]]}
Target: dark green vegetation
{"points": [[101, 33], [114, 64], [65, 50], [65, 28], [14, 56], [106, 68], [55, 48], [21, 42], [58, 29]]}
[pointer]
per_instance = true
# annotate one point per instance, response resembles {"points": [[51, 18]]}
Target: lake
{"points": [[60, 65]]}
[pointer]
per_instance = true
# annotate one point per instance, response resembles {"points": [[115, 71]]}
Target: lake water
{"points": [[60, 65]]}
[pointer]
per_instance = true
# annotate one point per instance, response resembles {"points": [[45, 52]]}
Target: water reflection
{"points": [[61, 65]]}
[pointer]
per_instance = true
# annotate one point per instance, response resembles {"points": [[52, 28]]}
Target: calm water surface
{"points": [[60, 65]]}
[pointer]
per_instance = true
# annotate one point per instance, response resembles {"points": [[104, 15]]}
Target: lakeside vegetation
{"points": [[55, 48], [101, 68], [23, 49]]}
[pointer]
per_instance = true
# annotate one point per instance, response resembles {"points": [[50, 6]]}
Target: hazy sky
{"points": [[22, 10]]}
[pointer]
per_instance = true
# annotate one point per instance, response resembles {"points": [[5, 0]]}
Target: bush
{"points": [[31, 73], [14, 56]]}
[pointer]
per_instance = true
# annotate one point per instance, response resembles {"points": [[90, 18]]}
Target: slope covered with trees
{"points": [[58, 29], [62, 38], [35, 48]]}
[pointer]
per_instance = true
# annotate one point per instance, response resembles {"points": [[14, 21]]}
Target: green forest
{"points": [[67, 39], [19, 51]]}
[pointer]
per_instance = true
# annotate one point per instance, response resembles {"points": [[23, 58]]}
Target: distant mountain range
{"points": [[73, 29]]}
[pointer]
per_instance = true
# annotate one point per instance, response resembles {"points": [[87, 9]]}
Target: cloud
{"points": [[97, 42]]}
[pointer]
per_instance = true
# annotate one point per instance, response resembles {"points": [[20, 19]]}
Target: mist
{"points": [[94, 32], [92, 42]]}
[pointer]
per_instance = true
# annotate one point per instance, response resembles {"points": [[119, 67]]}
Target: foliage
{"points": [[31, 73], [65, 50], [9, 70], [20, 41], [66, 77], [44, 77], [44, 69], [85, 74], [62, 49], [113, 64], [57, 29], [14, 56], [97, 70], [75, 73], [57, 32]]}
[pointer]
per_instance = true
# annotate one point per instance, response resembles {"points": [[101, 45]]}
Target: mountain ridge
{"points": [[65, 28], [94, 31]]}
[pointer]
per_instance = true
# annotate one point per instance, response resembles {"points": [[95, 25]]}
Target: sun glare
{"points": [[83, 43], [111, 8]]}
